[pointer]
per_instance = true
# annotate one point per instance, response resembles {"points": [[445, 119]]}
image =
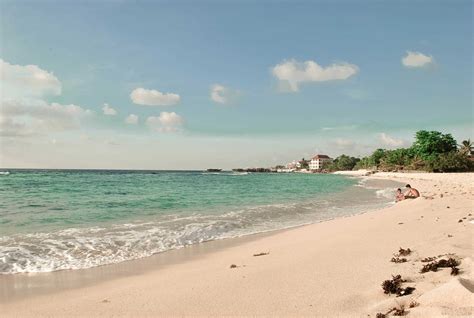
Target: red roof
{"points": [[321, 157]]}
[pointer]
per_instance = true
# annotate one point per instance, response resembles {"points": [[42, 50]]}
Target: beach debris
{"points": [[393, 286], [428, 259], [399, 311], [394, 311], [400, 223], [433, 266], [106, 301], [460, 221], [398, 260], [261, 254], [413, 304], [233, 266], [448, 207], [403, 252], [449, 235]]}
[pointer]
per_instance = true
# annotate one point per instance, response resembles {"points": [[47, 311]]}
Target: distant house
{"points": [[318, 161]]}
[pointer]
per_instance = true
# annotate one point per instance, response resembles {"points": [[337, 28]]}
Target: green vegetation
{"points": [[343, 162], [432, 151], [304, 164]]}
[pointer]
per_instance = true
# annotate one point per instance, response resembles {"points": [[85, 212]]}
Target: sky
{"points": [[227, 84]]}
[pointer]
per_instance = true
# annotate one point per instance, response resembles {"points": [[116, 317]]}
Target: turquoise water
{"points": [[52, 220]]}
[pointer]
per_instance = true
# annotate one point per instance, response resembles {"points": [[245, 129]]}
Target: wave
{"points": [[226, 173], [77, 248], [388, 193], [5, 173]]}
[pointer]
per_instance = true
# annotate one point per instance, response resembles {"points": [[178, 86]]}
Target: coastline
{"points": [[332, 268]]}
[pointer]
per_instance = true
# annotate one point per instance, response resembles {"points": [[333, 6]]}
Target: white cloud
{"points": [[390, 141], [23, 117], [294, 73], [222, 95], [109, 111], [131, 119], [416, 59], [27, 81], [166, 122], [151, 97]]}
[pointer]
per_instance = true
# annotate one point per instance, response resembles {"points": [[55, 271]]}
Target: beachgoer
{"points": [[411, 193], [399, 196]]}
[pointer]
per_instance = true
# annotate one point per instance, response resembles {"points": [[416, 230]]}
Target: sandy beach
{"points": [[330, 269]]}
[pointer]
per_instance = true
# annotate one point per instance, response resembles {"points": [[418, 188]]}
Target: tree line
{"points": [[432, 151]]}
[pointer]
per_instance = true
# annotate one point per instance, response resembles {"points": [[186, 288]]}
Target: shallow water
{"points": [[53, 220]]}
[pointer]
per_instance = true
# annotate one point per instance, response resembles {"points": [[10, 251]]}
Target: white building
{"points": [[318, 161]]}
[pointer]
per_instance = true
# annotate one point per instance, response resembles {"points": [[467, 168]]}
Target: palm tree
{"points": [[466, 147]]}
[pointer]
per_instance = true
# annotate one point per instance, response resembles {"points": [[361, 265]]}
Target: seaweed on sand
{"points": [[393, 286], [433, 266], [403, 252], [396, 312], [261, 254], [428, 259], [454, 271], [399, 311], [413, 304], [398, 260]]}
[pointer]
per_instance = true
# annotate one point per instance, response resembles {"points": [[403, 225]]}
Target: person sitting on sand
{"points": [[412, 193], [399, 196]]}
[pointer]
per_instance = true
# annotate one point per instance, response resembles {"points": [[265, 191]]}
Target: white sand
{"points": [[333, 268]]}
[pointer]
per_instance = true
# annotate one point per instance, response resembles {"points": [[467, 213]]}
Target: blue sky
{"points": [[100, 52]]}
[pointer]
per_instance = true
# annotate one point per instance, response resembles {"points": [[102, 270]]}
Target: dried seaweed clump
{"points": [[404, 252], [413, 304], [261, 254], [396, 312], [393, 286], [399, 311], [428, 259], [433, 266], [398, 260]]}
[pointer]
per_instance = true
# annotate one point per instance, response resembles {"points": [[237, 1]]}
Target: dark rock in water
{"points": [[214, 170]]}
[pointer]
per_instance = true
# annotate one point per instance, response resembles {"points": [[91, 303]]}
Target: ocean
{"points": [[72, 219]]}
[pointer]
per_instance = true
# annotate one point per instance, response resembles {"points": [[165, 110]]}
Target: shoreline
{"points": [[355, 198], [306, 272], [31, 284]]}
